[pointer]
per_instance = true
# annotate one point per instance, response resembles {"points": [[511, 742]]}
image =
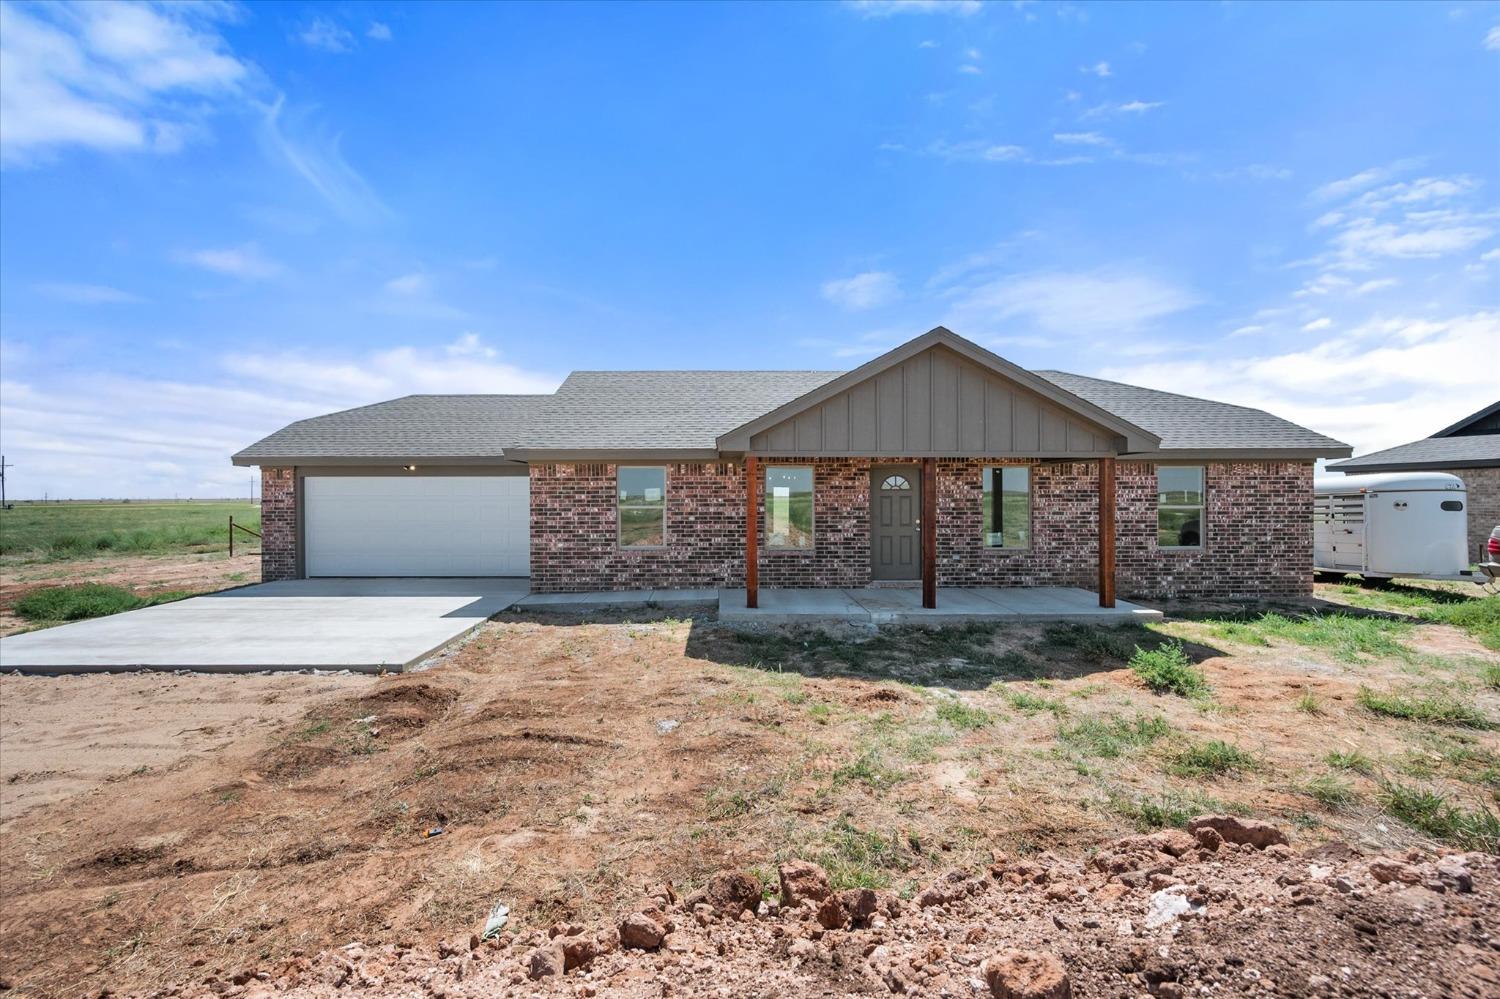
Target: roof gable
{"points": [[1486, 421], [938, 393]]}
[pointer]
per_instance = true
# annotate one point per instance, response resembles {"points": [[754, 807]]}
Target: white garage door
{"points": [[388, 525]]}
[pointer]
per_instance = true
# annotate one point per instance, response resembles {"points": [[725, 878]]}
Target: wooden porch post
{"points": [[752, 531], [929, 533], [1106, 532]]}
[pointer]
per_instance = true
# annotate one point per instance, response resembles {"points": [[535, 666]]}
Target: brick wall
{"points": [[278, 524], [1483, 505], [1258, 532], [574, 541]]}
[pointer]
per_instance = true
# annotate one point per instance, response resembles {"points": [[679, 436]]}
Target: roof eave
{"points": [[1472, 418], [245, 460], [1354, 467], [615, 454], [1239, 454]]}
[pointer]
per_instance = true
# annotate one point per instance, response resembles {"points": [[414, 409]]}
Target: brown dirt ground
{"points": [[544, 748], [144, 574]]}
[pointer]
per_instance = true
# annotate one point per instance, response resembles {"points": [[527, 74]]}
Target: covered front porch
{"points": [[953, 605]]}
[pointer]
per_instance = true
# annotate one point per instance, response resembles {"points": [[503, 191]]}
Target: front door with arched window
{"points": [[895, 522]]}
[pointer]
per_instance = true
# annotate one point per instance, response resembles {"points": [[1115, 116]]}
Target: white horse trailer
{"points": [[1408, 524]]}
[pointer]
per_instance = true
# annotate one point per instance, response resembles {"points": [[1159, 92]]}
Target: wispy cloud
{"points": [[890, 8], [379, 31], [64, 422], [415, 283], [1322, 323], [1109, 301], [294, 138], [1100, 69], [108, 76], [326, 34], [87, 294], [862, 291], [1492, 39], [1082, 139], [246, 262]]}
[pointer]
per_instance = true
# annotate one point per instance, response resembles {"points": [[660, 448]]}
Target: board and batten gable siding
{"points": [[936, 403]]}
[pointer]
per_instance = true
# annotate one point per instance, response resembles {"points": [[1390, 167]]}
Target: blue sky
{"points": [[216, 218]]}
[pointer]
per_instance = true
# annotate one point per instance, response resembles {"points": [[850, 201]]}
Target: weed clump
{"points": [[1167, 669]]}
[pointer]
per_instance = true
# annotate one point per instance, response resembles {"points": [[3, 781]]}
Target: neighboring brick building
{"points": [[937, 462], [1469, 449]]}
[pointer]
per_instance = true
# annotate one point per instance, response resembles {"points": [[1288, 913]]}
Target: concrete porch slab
{"points": [[608, 600], [904, 606], [357, 624]]}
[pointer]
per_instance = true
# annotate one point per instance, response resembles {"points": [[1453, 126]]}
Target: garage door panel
{"points": [[472, 525]]}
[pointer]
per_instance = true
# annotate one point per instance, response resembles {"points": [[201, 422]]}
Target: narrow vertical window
{"points": [[789, 506], [642, 506], [1179, 506], [1007, 507]]}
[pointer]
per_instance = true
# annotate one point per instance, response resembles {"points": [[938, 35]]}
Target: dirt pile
{"points": [[1227, 908]]}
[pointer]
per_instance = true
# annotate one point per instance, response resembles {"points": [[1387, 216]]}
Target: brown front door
{"points": [[895, 515]]}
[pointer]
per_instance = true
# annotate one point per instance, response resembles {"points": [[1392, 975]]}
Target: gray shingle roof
{"points": [[1184, 422], [621, 411], [1431, 452], [414, 426], [628, 410]]}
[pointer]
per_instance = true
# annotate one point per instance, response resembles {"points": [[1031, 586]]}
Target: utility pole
{"points": [[3, 466]]}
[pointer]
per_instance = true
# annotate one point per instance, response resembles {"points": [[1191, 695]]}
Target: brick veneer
{"points": [[1483, 485], [1257, 537], [278, 524]]}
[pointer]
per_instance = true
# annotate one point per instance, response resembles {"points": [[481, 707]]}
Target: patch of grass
{"points": [[1489, 675], [1030, 703], [961, 716], [1114, 737], [1438, 707], [1479, 616], [1308, 703], [1105, 643], [65, 531], [1351, 760], [1350, 637], [861, 858], [870, 769], [1165, 811], [1237, 631], [1430, 812], [1328, 791], [75, 603], [1215, 758], [1167, 669]]}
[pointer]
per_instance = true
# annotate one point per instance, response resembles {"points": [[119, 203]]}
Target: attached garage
{"points": [[417, 525]]}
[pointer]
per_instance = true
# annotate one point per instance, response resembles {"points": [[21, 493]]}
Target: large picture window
{"points": [[789, 506], [642, 506], [1179, 506], [1007, 507]]}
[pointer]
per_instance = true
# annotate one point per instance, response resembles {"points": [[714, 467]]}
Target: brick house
{"points": [[1469, 449], [936, 464]]}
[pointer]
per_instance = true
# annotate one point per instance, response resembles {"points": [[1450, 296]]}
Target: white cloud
{"points": [[110, 76], [1076, 304], [87, 294], [415, 283], [970, 69], [1082, 139], [379, 31], [974, 149], [1321, 323], [1100, 69], [1492, 39], [1140, 107], [1355, 183], [1399, 378], [322, 33], [890, 8], [246, 261], [1375, 285], [63, 424], [294, 138], [1380, 219], [862, 291]]}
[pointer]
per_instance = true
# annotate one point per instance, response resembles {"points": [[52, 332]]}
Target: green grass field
{"points": [[63, 531]]}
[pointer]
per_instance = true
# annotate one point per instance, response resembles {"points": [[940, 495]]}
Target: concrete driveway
{"points": [[360, 624]]}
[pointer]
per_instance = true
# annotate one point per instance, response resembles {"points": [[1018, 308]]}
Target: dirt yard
{"points": [[572, 762], [142, 574]]}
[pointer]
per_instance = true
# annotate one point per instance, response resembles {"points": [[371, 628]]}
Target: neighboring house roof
{"points": [[1482, 422], [459, 428], [1187, 423], [1477, 451], [700, 414]]}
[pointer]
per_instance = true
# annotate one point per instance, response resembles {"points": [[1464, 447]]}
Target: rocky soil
{"points": [[1226, 907]]}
